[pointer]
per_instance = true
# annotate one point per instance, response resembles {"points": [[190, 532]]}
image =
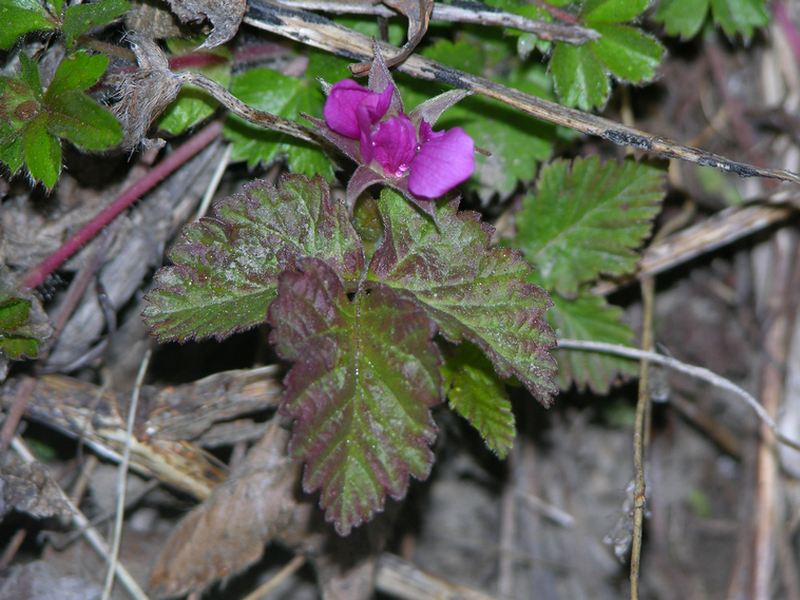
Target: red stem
{"points": [[166, 167]]}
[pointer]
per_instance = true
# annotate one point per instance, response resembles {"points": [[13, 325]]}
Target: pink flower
{"points": [[394, 148], [434, 161]]}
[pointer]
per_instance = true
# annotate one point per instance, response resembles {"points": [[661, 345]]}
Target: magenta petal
{"points": [[369, 112], [446, 159], [351, 109], [394, 145], [341, 106]]}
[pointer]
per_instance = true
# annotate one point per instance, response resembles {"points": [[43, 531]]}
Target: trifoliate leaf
{"points": [[80, 18], [226, 267], [193, 105], [42, 152], [19, 17], [472, 292], [739, 16], [580, 73], [589, 317], [686, 17], [365, 376], [586, 219], [31, 121], [284, 96], [475, 392]]}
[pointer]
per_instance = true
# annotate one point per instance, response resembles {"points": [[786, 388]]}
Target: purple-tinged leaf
{"points": [[430, 110], [226, 267], [365, 376], [380, 78], [470, 290], [362, 178]]}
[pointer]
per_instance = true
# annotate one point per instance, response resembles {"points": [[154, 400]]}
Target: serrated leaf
{"points": [[284, 96], [193, 105], [20, 17], [472, 292], [579, 76], [586, 218], [42, 152], [475, 392], [590, 317], [75, 117], [627, 52], [76, 72], [580, 73], [739, 16], [364, 379], [682, 17], [612, 11], [80, 18], [226, 267]]}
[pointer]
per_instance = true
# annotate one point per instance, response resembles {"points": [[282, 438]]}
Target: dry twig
{"points": [[123, 478], [313, 30]]}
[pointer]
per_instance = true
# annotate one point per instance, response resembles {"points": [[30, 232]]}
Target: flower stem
{"points": [[154, 176]]}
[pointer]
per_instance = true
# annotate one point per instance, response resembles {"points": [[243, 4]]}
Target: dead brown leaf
{"points": [[29, 488], [418, 13], [228, 532], [225, 16]]}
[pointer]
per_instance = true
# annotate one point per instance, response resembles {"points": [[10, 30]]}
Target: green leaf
{"points": [[193, 105], [580, 73], [20, 17], [627, 52], [612, 11], [76, 72], [284, 96], [11, 154], [17, 347], [590, 317], [29, 74], [587, 218], [579, 76], [14, 313], [226, 267], [472, 291], [365, 376], [77, 118], [739, 16], [682, 17], [475, 392], [42, 152], [80, 18], [17, 336], [73, 115]]}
